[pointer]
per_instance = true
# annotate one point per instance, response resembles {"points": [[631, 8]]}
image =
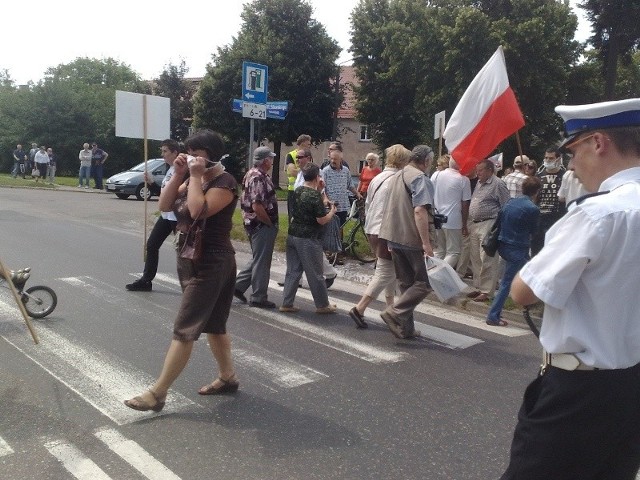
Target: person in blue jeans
{"points": [[518, 221]]}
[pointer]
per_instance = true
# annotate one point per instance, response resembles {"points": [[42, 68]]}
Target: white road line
{"points": [[99, 378], [5, 448], [456, 316], [75, 462], [109, 294], [280, 370], [327, 338], [135, 455], [164, 278], [446, 338]]}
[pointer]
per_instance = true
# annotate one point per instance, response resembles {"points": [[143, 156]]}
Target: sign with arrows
{"points": [[255, 78], [275, 110]]}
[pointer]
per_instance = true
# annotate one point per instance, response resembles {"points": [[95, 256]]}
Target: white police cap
{"points": [[595, 116]]}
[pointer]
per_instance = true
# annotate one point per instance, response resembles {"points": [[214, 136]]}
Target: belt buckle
{"points": [[565, 361]]}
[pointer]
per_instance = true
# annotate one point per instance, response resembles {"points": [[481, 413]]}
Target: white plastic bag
{"points": [[443, 279]]}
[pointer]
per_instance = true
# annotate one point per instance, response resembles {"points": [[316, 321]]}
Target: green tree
{"points": [[415, 58], [301, 58], [616, 35], [172, 84]]}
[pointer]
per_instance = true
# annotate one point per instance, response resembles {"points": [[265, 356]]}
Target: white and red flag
{"points": [[486, 114]]}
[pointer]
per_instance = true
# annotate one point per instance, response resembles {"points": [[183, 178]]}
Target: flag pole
{"points": [[146, 185], [519, 144], [7, 276]]}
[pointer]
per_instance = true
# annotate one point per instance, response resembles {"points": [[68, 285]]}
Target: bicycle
{"points": [[355, 240], [39, 301]]}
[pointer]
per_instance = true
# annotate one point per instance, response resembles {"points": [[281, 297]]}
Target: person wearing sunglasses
{"points": [[580, 417]]}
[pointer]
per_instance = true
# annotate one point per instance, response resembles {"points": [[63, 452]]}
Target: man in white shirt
{"points": [[452, 198], [165, 225], [580, 417]]}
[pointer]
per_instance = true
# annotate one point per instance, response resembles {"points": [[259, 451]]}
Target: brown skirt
{"points": [[207, 293]]}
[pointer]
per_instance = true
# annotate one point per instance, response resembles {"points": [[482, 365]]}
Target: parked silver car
{"points": [[131, 182]]}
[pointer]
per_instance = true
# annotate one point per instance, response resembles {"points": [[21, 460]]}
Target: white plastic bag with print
{"points": [[443, 279]]}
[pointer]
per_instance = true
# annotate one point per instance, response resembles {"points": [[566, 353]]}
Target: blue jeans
{"points": [[515, 258], [84, 173]]}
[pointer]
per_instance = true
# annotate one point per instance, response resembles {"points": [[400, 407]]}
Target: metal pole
{"points": [[251, 132]]}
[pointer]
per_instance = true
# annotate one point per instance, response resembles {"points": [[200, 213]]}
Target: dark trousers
{"points": [[545, 222], [161, 230], [580, 425], [96, 173]]}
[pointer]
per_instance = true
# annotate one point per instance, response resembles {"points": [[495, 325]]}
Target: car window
{"points": [[151, 164]]}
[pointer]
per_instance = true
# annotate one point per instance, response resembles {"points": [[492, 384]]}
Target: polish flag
{"points": [[486, 114]]}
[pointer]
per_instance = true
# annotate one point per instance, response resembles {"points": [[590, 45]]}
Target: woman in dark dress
{"points": [[207, 283]]}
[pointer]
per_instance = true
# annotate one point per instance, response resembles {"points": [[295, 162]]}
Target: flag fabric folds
{"points": [[487, 113]]}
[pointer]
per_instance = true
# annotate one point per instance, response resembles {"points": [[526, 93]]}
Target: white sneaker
{"points": [[86, 186], [79, 186]]}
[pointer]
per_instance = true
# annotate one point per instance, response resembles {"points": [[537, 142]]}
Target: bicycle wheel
{"points": [[39, 301], [359, 245]]}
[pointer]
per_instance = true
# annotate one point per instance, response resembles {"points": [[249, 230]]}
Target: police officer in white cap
{"points": [[580, 419]]}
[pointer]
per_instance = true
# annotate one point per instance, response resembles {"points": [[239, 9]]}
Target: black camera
{"points": [[438, 220]]}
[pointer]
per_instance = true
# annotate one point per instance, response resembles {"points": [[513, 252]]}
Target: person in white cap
{"points": [[260, 217], [581, 417], [514, 180]]}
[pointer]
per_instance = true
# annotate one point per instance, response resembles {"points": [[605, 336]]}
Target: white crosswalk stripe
{"points": [[75, 462], [135, 455], [5, 448], [102, 380]]}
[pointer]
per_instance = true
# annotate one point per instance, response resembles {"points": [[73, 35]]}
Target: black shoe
{"points": [[262, 304], [358, 318], [140, 285], [239, 295]]}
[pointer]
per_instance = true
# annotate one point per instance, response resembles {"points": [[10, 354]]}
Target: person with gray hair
{"points": [[489, 196], [452, 198], [406, 226], [260, 217]]}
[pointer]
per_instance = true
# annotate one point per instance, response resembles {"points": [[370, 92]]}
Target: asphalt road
{"points": [[319, 399]]}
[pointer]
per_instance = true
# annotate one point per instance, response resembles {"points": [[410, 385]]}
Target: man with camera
{"points": [[407, 226], [452, 197]]}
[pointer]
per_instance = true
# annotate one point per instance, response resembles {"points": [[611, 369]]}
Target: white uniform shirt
{"points": [[376, 200], [587, 275], [451, 189], [167, 176]]}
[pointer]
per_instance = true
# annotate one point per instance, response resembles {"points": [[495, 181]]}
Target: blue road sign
{"points": [[255, 79], [275, 110]]}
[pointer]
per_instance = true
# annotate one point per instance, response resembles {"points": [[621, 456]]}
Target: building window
{"points": [[365, 133]]}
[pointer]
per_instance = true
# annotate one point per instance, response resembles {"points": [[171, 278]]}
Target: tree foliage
{"points": [[172, 84], [301, 58], [73, 104], [414, 59], [616, 36]]}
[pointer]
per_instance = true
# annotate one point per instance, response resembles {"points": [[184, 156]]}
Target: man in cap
{"points": [[514, 180], [260, 217], [580, 417]]}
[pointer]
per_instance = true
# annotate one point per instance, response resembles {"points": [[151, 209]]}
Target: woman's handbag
{"points": [[443, 279], [490, 240], [35, 172], [194, 238]]}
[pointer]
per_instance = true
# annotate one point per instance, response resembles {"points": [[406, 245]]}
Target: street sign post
{"points": [[275, 110], [255, 78]]}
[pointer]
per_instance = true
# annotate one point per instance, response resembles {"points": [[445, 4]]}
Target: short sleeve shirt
{"points": [[307, 208], [587, 277], [337, 186], [487, 199], [258, 188]]}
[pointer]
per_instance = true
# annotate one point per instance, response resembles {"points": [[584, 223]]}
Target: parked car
{"points": [[131, 182]]}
